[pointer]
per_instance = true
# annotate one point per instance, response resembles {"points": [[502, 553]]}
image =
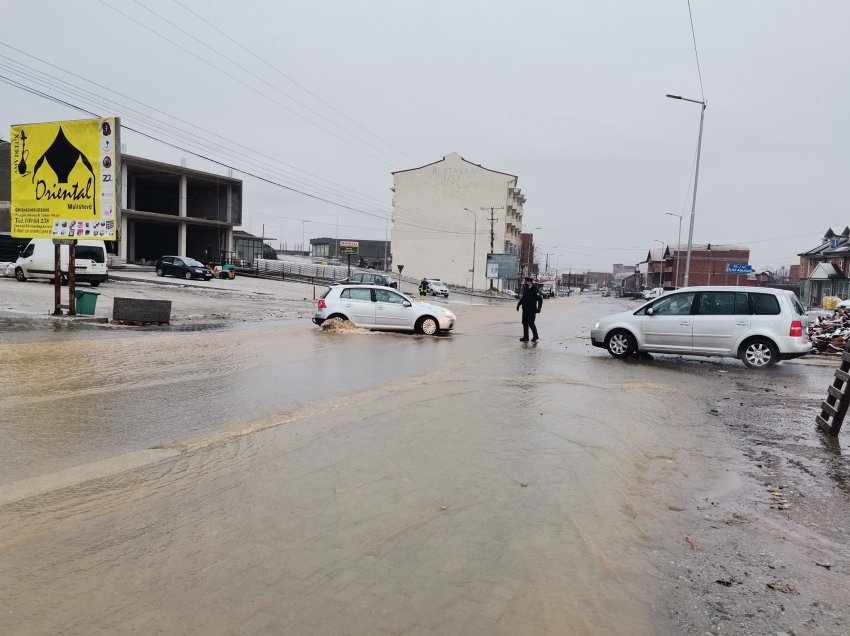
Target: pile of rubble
{"points": [[830, 333]]}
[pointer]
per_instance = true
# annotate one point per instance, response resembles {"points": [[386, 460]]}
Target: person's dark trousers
{"points": [[528, 323]]}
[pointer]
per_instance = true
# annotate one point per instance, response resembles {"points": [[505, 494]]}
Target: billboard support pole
{"points": [[57, 281], [72, 278]]}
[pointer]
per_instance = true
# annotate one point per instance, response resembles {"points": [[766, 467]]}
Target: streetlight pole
{"points": [[702, 103], [661, 269], [678, 247], [474, 239]]}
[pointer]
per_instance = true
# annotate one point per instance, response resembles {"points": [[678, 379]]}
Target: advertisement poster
{"points": [[65, 179]]}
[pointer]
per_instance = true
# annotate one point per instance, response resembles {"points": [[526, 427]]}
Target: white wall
{"points": [[432, 233]]}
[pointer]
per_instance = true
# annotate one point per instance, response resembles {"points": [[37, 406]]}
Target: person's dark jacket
{"points": [[531, 300], [423, 288]]}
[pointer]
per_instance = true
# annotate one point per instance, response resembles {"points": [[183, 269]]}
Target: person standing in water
{"points": [[531, 302]]}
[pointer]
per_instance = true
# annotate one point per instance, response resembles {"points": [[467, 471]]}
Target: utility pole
{"points": [[492, 220]]}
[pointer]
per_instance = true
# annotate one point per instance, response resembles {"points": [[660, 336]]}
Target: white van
{"points": [[37, 261]]}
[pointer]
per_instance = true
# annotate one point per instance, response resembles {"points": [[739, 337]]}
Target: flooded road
{"points": [[280, 478]]}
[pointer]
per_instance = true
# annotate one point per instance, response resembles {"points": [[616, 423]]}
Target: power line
{"points": [[236, 79], [302, 87], [696, 53], [255, 76]]}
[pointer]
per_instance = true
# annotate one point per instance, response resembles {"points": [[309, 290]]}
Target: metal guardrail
{"points": [[266, 268]]}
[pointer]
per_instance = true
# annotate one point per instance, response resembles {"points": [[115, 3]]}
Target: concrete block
{"points": [[141, 310]]}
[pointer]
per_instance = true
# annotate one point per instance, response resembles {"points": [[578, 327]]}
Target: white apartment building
{"points": [[441, 220]]}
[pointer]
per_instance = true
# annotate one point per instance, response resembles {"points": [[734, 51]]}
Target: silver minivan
{"points": [[758, 325]]}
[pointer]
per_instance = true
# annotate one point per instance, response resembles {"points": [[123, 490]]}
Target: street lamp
{"points": [[474, 239], [661, 269], [678, 247], [702, 103]]}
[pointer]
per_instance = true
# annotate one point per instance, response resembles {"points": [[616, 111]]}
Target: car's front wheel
{"points": [[620, 343], [19, 274], [188, 275], [428, 325], [159, 272], [759, 353]]}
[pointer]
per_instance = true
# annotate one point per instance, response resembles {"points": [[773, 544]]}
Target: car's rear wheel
{"points": [[159, 272], [759, 353], [337, 318], [19, 274], [188, 275], [428, 325], [620, 343]]}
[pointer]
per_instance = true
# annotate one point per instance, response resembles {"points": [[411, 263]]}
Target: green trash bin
{"points": [[86, 301]]}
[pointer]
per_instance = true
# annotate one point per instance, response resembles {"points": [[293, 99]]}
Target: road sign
{"points": [[732, 268], [349, 247]]}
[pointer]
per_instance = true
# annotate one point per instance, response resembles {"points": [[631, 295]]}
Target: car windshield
{"points": [[191, 262]]}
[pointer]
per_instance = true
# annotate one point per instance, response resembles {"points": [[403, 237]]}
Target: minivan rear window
{"points": [[765, 304], [95, 254]]}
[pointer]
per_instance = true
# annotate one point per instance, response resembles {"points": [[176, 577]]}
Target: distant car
{"points": [[510, 293], [655, 292], [437, 288], [183, 267], [368, 278], [546, 291], [381, 308], [758, 325]]}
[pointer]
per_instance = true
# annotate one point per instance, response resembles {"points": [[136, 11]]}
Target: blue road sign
{"points": [[732, 268]]}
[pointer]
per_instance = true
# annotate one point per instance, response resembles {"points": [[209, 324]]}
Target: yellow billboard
{"points": [[65, 179]]}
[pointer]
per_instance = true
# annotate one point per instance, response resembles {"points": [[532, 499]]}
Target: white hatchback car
{"points": [[382, 308], [759, 325]]}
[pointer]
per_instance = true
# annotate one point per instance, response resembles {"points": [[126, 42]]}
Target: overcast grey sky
{"points": [[331, 97]]}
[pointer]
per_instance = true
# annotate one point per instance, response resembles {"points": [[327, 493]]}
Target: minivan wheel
{"points": [[428, 326], [188, 275], [759, 354], [620, 344], [19, 274]]}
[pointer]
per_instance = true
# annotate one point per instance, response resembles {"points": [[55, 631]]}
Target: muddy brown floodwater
{"points": [[273, 477]]}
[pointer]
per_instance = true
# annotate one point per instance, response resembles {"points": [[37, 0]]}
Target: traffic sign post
{"points": [[348, 248]]}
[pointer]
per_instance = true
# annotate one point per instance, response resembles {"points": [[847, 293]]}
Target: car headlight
{"points": [[596, 326]]}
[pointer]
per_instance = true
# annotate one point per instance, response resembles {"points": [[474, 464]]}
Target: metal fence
{"points": [[302, 271]]}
